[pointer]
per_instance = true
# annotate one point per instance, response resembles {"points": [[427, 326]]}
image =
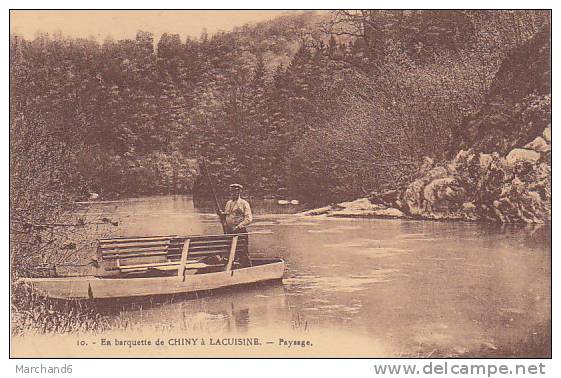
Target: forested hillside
{"points": [[328, 106]]}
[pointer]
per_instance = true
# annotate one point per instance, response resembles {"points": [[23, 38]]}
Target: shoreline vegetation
{"points": [[423, 116], [31, 312]]}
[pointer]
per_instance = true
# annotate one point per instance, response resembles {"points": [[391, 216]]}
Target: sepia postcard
{"points": [[269, 183]]}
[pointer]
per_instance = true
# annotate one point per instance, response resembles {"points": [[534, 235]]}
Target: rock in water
{"points": [[538, 145], [484, 186], [412, 198], [521, 154], [547, 133], [387, 198], [319, 211], [469, 211], [443, 197], [389, 212], [359, 204]]}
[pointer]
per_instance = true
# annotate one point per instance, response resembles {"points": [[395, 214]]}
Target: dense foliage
{"points": [[344, 102]]}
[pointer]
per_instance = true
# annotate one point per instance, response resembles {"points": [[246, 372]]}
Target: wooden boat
{"points": [[159, 265]]}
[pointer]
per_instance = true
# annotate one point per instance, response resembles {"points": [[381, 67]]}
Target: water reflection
{"points": [[231, 310]]}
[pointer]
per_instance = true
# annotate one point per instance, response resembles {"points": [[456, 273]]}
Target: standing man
{"points": [[237, 215]]}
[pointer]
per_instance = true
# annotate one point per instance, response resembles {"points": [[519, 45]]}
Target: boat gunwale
{"points": [[274, 261]]}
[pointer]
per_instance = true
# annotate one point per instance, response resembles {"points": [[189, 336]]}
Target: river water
{"points": [[414, 288]]}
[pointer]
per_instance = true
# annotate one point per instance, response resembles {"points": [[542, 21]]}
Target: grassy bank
{"points": [[34, 313]]}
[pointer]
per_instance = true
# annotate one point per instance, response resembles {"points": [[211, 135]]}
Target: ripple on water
{"points": [[368, 247], [419, 239], [381, 252], [333, 310], [297, 221], [355, 243], [407, 236], [346, 227], [340, 308], [264, 223], [345, 284], [326, 231], [335, 230], [262, 230]]}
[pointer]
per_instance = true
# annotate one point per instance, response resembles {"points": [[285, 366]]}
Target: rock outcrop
{"points": [[472, 187], [477, 186]]}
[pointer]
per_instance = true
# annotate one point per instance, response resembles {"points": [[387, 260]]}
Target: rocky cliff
{"points": [[502, 171]]}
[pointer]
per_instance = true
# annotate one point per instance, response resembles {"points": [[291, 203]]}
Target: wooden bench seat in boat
{"points": [[124, 255]]}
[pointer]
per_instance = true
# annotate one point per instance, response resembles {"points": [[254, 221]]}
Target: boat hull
{"points": [[103, 288]]}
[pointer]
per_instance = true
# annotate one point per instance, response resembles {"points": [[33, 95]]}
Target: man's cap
{"points": [[236, 186]]}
